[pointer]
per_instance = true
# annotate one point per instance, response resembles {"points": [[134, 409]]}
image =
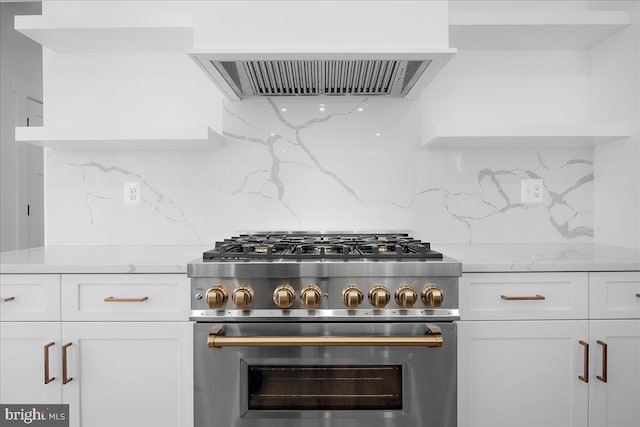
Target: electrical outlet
{"points": [[532, 190], [132, 194]]}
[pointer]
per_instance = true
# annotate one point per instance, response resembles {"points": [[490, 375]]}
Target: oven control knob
{"points": [[216, 296], [432, 296], [406, 296], [352, 296], [379, 296], [284, 296], [311, 296], [242, 297]]}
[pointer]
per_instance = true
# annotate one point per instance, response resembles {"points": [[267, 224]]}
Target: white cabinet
{"points": [[614, 295], [542, 363], [29, 297], [104, 297], [129, 374], [524, 296], [521, 374], [616, 402], [23, 360], [120, 372]]}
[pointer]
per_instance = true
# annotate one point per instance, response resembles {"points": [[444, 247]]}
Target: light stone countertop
{"points": [[174, 259], [542, 257], [100, 259]]}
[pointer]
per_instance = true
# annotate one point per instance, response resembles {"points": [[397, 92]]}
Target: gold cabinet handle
{"points": [[65, 378], [47, 380], [114, 299], [531, 298], [585, 376], [603, 377], [7, 299], [637, 295], [218, 341]]}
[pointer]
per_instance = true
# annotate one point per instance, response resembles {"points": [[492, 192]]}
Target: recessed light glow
{"points": [[284, 110], [322, 105], [360, 109], [272, 134], [378, 134], [321, 109]]}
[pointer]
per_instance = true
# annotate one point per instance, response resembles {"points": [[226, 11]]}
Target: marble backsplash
{"points": [[314, 165]]}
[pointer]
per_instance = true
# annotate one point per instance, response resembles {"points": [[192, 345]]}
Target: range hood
{"points": [[328, 48], [381, 74]]}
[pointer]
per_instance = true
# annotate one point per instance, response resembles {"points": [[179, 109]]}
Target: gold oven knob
{"points": [[242, 297], [311, 296], [284, 296], [406, 296], [432, 296], [379, 296], [216, 296], [352, 296]]}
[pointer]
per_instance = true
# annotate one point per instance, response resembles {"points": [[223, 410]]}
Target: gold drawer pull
{"points": [[585, 375], [114, 299], [65, 378], [47, 380], [603, 377], [532, 298], [7, 299]]}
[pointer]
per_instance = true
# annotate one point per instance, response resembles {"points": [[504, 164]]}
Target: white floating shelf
{"points": [[524, 134], [158, 139], [534, 30], [154, 33]]}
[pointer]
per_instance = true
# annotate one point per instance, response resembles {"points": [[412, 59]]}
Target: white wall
{"points": [[308, 169], [20, 75], [510, 86], [615, 85]]}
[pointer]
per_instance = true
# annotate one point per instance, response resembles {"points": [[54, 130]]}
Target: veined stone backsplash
{"points": [[302, 165]]}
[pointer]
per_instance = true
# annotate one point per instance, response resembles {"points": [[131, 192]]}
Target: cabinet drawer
{"points": [[523, 296], [29, 297], [125, 297], [614, 295]]}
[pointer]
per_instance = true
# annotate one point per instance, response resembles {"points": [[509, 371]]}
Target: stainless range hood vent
{"points": [[257, 78], [248, 75], [393, 49]]}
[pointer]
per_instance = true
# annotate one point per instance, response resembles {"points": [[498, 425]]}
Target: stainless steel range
{"points": [[324, 330]]}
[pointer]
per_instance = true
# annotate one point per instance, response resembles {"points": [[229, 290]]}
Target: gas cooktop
{"points": [[339, 246]]}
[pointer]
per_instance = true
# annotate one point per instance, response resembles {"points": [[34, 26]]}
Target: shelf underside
{"points": [[157, 140], [524, 135], [530, 30], [157, 33]]}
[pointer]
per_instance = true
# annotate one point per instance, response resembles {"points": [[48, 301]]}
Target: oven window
{"points": [[325, 387]]}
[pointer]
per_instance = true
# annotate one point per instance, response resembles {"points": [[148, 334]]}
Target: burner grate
{"points": [[273, 246]]}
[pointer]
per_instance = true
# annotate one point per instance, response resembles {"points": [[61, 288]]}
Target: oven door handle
{"points": [[433, 338]]}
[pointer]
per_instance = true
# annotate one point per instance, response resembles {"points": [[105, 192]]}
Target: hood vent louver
{"points": [[401, 74], [258, 78]]}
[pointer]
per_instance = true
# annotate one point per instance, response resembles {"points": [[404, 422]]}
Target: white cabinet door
{"points": [[524, 296], [122, 297], [129, 374], [29, 297], [522, 373], [616, 402], [614, 295], [23, 360]]}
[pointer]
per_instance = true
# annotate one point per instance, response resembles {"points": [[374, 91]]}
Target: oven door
{"points": [[325, 374]]}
